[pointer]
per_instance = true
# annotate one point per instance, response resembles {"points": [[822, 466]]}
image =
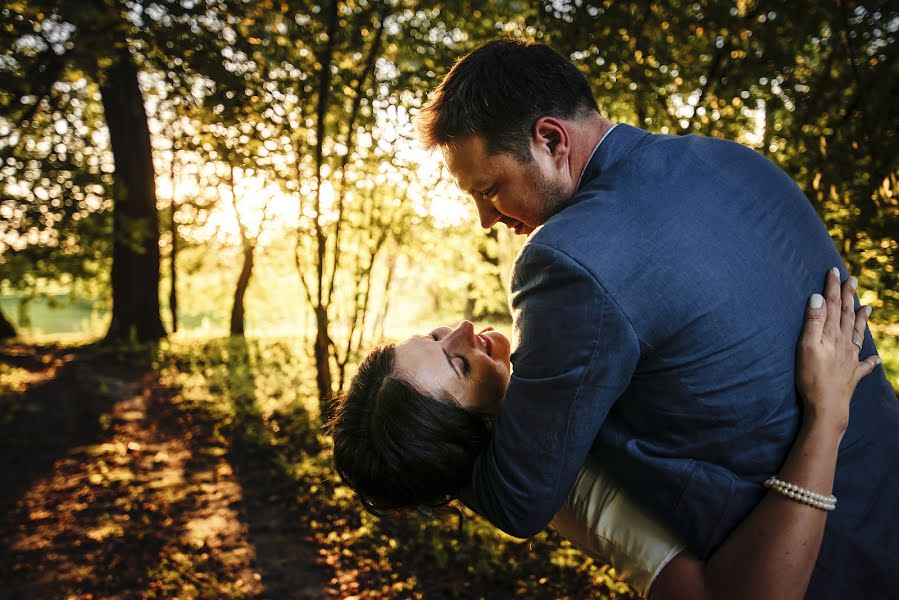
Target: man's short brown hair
{"points": [[498, 91]]}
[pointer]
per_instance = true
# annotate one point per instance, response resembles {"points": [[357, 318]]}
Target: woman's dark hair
{"points": [[398, 448], [498, 91]]}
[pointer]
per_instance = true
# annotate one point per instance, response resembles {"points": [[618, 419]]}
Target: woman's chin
{"points": [[500, 346]]}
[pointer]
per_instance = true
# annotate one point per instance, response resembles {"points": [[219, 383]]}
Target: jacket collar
{"points": [[615, 145]]}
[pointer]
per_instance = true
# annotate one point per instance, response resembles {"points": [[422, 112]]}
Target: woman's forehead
{"points": [[422, 361]]}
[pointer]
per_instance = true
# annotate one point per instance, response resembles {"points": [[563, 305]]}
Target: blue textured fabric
{"points": [[656, 321]]}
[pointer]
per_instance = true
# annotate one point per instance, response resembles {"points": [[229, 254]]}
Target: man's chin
{"points": [[522, 229]]}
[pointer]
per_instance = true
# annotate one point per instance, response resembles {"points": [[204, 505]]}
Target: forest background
{"points": [[228, 195]]}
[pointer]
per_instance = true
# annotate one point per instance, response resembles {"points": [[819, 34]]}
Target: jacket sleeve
{"points": [[575, 354]]}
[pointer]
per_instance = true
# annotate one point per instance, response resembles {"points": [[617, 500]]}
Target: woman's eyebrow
{"points": [[450, 361]]}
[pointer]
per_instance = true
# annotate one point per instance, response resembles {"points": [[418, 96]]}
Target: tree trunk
{"points": [[243, 281], [768, 133], [24, 314], [135, 254], [493, 259], [173, 272], [7, 331], [378, 330], [323, 362], [468, 312]]}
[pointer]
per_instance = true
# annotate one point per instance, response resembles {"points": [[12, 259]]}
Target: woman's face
{"points": [[472, 368]]}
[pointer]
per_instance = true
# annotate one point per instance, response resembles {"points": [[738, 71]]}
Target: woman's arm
{"points": [[773, 551]]}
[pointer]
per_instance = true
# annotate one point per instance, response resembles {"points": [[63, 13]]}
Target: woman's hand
{"points": [[827, 365], [772, 553]]}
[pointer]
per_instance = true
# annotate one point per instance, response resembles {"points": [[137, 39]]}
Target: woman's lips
{"points": [[488, 345]]}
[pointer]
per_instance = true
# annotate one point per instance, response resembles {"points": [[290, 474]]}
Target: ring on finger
{"points": [[857, 342]]}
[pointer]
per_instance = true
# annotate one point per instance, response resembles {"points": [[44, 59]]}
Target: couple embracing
{"points": [[693, 394]]}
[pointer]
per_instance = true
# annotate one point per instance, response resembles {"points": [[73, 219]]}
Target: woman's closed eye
{"points": [[462, 364]]}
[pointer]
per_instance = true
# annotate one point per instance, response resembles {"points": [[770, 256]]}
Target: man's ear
{"points": [[551, 136]]}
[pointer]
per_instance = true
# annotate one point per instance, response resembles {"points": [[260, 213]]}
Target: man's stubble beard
{"points": [[555, 197]]}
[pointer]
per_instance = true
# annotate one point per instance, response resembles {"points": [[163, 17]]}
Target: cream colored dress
{"points": [[604, 522]]}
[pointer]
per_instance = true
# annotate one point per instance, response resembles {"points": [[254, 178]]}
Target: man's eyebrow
{"points": [[481, 185]]}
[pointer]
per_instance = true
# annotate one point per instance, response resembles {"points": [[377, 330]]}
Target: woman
{"points": [[417, 415]]}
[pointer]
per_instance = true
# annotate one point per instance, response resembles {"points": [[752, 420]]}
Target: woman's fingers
{"points": [[858, 327], [847, 311], [866, 366], [815, 315], [833, 302]]}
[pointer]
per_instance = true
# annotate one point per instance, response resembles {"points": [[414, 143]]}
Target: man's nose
{"points": [[488, 214], [462, 336]]}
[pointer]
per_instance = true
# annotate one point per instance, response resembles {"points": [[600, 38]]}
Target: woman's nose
{"points": [[462, 336]]}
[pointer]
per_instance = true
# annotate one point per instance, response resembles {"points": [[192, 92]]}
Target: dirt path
{"points": [[110, 493]]}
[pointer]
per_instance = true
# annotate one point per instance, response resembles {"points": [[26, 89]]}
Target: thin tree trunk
{"points": [[7, 330], [322, 348], [24, 315], [492, 260], [493, 234], [468, 312], [378, 329], [323, 362], [768, 132], [173, 257], [135, 255], [173, 272], [243, 282]]}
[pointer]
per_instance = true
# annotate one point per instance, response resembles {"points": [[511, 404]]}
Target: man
{"points": [[634, 339]]}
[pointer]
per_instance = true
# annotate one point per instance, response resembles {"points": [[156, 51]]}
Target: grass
{"points": [[256, 398], [248, 407]]}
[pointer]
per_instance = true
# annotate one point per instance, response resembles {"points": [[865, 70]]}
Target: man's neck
{"points": [[584, 138]]}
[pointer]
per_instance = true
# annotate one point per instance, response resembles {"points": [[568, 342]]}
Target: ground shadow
{"points": [[31, 358], [78, 457], [284, 552], [60, 409], [115, 490]]}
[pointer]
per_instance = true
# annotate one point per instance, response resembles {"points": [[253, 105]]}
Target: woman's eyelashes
{"points": [[464, 364]]}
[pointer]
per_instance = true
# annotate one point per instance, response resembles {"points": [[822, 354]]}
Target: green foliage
{"points": [[244, 85], [888, 350], [810, 86]]}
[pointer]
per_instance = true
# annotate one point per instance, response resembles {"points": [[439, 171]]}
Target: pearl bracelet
{"points": [[800, 494]]}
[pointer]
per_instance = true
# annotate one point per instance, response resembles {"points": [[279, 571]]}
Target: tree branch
{"points": [[324, 91], [360, 85]]}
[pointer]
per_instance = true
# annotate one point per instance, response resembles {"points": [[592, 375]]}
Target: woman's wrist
{"points": [[821, 429], [825, 422], [826, 415]]}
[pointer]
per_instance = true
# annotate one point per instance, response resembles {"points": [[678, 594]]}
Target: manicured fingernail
{"points": [[853, 281], [877, 361], [816, 301], [836, 272], [868, 310]]}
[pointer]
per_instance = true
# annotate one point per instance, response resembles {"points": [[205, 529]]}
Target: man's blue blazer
{"points": [[656, 322]]}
